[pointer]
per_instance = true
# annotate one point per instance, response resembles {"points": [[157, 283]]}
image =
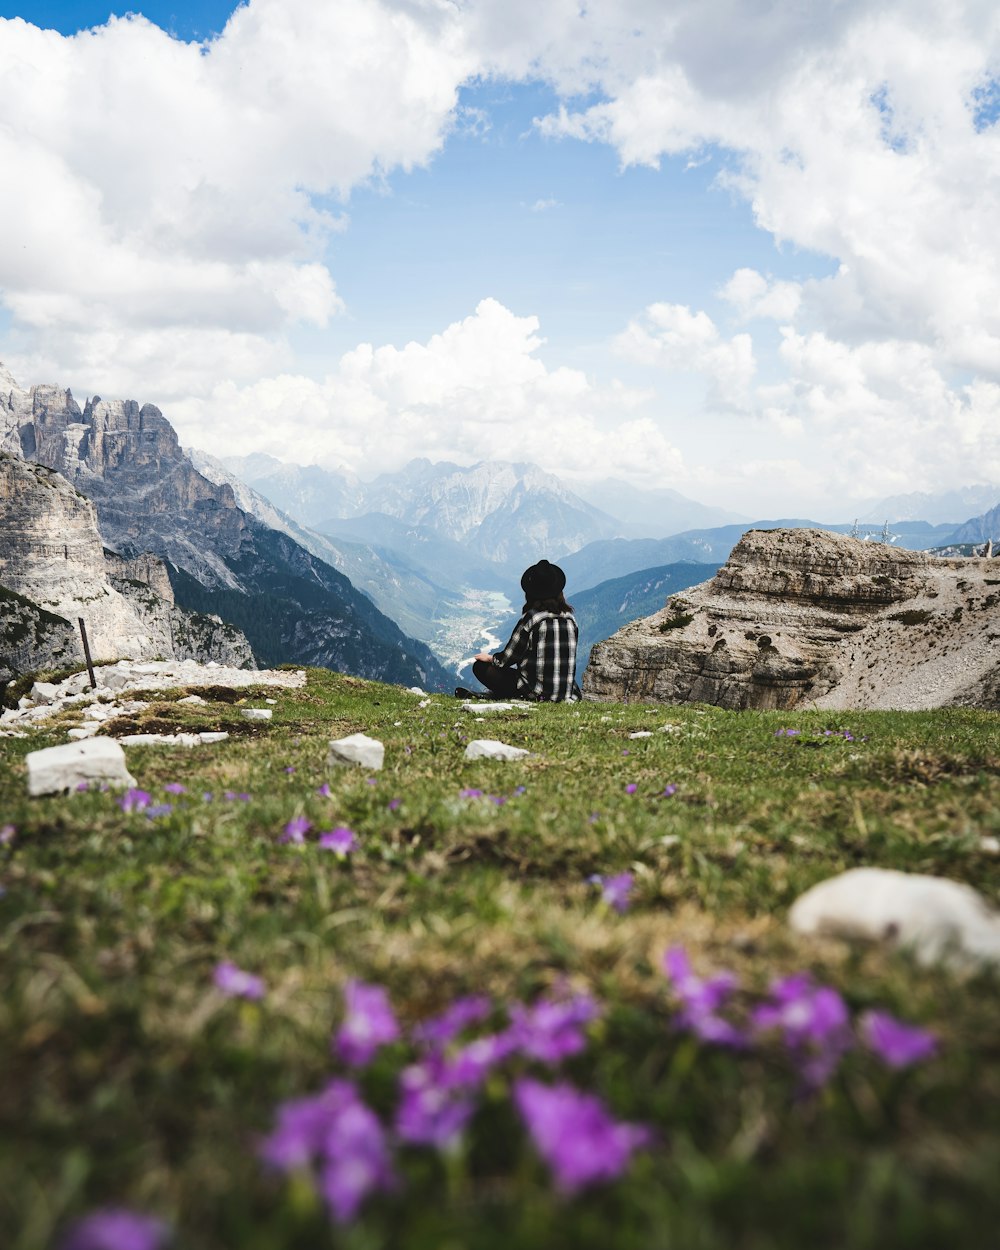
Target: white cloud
{"points": [[753, 295], [476, 391], [672, 337], [157, 187]]}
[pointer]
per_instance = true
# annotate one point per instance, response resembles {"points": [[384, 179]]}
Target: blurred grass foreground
{"points": [[259, 1003]]}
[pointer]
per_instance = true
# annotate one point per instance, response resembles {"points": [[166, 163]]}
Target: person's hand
{"points": [[485, 656]]}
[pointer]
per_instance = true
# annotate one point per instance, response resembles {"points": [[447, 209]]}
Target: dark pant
{"points": [[498, 681]]}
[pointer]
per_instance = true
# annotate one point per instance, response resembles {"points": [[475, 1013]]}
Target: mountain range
{"points": [[221, 560]]}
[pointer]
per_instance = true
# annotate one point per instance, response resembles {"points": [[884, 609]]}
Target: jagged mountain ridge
{"points": [[944, 507], [149, 497], [504, 512]]}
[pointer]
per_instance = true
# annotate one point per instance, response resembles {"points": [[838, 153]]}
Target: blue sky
{"points": [[737, 249]]}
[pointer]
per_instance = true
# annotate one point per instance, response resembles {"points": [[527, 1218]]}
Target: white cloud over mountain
{"points": [[166, 208], [476, 391]]}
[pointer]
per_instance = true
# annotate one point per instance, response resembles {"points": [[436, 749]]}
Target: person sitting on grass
{"points": [[539, 661]]}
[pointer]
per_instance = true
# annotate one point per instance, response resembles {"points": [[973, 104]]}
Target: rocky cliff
{"points": [[53, 560], [811, 618], [150, 498]]}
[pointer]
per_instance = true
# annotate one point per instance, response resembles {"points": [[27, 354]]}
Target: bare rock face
{"points": [[811, 618], [54, 570]]}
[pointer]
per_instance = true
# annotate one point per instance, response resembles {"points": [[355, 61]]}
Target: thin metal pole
{"points": [[86, 652]]}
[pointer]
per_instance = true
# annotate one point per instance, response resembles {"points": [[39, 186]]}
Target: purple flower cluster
{"points": [[135, 800], [812, 1023], [340, 840], [337, 1136]]}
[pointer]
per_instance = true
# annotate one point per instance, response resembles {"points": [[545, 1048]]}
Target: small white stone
{"points": [[84, 731], [256, 713], [478, 705], [216, 736], [270, 700], [989, 845], [415, 690], [671, 839], [192, 698], [939, 919], [641, 733], [56, 769], [491, 749], [424, 703], [357, 749], [44, 692]]}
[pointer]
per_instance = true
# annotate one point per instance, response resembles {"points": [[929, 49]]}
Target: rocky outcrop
{"points": [[53, 560], [223, 561], [811, 618]]}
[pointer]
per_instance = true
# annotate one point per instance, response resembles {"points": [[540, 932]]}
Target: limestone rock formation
{"points": [[224, 562], [54, 567], [812, 618]]}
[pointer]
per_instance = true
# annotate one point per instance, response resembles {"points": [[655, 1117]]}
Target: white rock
{"points": [[44, 692], [477, 705], [85, 731], [641, 733], [357, 749], [490, 749], [256, 713], [56, 769], [989, 845], [270, 700], [424, 703], [937, 918], [192, 698], [415, 690], [172, 740]]}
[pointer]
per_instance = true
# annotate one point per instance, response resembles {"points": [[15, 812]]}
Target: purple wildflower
{"points": [[395, 804], [615, 890], [430, 1112], [896, 1044], [631, 788], [7, 834], [335, 1132], [296, 830], [552, 1029], [158, 809], [369, 1023], [115, 1228], [135, 800], [237, 796], [498, 799], [340, 840], [668, 791], [441, 1029], [371, 781], [470, 793], [470, 1065], [175, 787], [324, 790], [236, 983], [701, 1000], [82, 787], [575, 1135], [289, 768], [813, 1021], [520, 789]]}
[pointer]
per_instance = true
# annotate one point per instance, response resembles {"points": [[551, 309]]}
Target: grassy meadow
{"points": [[128, 1078]]}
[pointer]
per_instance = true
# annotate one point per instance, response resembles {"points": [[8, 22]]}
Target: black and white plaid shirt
{"points": [[543, 649]]}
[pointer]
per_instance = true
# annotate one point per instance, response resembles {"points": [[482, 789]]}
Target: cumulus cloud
{"points": [[151, 184], [478, 390], [673, 337]]}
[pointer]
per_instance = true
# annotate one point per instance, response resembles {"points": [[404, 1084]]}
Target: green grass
{"points": [[126, 1079]]}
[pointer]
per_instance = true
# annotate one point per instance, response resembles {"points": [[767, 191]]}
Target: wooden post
{"points": [[86, 652]]}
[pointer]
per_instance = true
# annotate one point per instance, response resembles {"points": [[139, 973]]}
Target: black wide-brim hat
{"points": [[543, 580]]}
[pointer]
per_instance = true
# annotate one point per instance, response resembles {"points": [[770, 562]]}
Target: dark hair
{"points": [[556, 603]]}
